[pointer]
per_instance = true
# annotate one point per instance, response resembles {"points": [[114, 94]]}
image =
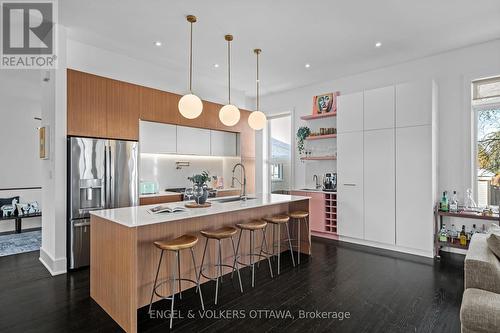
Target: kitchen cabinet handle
{"points": [[83, 224], [349, 184]]}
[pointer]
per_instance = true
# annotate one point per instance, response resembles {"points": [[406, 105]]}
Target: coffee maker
{"points": [[330, 182]]}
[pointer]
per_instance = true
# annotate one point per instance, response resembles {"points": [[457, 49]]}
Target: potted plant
{"points": [[200, 187], [302, 133]]}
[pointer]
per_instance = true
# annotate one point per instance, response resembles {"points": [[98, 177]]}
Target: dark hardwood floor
{"points": [[383, 292]]}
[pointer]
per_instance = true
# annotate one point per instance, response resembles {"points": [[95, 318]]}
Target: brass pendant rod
{"points": [[191, 61]]}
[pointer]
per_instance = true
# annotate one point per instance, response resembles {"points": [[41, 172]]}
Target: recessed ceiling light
{"points": [[158, 43], [378, 44], [216, 65], [307, 65]]}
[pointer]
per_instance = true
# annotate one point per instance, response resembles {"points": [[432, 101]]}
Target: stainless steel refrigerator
{"points": [[101, 174]]}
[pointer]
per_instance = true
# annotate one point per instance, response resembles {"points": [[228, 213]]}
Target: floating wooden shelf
{"points": [[319, 158], [319, 116], [319, 137]]}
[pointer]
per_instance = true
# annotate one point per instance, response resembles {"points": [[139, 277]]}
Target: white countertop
{"points": [[139, 216], [313, 190], [167, 193], [159, 194]]}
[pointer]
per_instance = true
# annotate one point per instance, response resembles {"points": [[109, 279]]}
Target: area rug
{"points": [[20, 243]]}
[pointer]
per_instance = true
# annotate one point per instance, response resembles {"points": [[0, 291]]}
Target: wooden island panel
{"points": [[124, 259]]}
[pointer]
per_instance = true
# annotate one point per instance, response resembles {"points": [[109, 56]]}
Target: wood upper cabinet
{"points": [[159, 106], [102, 108], [122, 110], [86, 104]]}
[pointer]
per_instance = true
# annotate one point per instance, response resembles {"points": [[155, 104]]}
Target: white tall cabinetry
{"points": [[386, 166]]}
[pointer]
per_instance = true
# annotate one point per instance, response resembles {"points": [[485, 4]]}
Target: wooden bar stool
{"points": [[252, 227], [175, 245], [219, 235], [299, 217], [277, 221]]}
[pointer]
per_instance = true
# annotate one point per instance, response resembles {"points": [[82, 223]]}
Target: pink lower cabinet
{"points": [[322, 213]]}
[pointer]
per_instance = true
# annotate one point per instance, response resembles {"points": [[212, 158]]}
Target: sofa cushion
{"points": [[482, 267], [480, 311], [494, 240]]}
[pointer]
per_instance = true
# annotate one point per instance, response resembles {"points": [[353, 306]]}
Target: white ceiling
{"points": [[336, 37]]}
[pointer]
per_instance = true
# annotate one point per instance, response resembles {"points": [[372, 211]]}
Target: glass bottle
{"points": [[463, 236], [470, 204], [443, 234], [444, 205], [454, 203]]}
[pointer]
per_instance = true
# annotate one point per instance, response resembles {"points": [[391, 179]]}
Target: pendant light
{"points": [[229, 114], [257, 119], [190, 105]]}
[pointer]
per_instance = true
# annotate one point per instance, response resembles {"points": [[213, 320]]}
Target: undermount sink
{"points": [[232, 199]]}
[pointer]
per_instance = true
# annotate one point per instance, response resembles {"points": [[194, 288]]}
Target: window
{"points": [[486, 104], [277, 172]]}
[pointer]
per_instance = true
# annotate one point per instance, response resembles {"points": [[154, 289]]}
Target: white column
{"points": [[53, 250]]}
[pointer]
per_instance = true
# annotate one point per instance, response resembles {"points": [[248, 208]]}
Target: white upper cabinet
{"points": [[350, 113], [414, 103], [379, 108], [379, 186], [193, 141], [157, 138], [222, 143]]}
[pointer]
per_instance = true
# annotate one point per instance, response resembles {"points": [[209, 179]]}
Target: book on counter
{"points": [[166, 209]]}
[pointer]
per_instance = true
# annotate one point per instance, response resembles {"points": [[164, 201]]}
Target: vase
{"points": [[200, 193]]}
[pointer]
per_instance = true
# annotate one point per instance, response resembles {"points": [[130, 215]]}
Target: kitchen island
{"points": [[123, 259]]}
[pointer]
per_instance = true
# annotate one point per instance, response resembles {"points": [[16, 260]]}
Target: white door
{"points": [[222, 143], [350, 184], [193, 141], [379, 108], [414, 192], [379, 186], [157, 138], [414, 103], [350, 113]]}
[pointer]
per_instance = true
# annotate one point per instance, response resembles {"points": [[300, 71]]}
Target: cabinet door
{"points": [[379, 108], [316, 209], [414, 103], [350, 185], [350, 113], [122, 110], [379, 186], [157, 138], [160, 106], [414, 192], [86, 104], [222, 143], [193, 141]]}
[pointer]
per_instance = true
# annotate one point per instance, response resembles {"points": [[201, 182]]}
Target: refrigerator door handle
{"points": [[111, 177]]}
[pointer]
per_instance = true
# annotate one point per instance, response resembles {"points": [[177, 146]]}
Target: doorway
{"points": [[279, 164]]}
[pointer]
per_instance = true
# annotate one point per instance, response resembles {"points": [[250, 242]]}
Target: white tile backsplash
{"points": [[161, 168]]}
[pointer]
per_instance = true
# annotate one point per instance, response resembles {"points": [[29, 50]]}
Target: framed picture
{"points": [[325, 103], [43, 142]]}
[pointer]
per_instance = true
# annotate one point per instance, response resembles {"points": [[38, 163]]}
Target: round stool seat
{"points": [[253, 225], [298, 215], [221, 233], [277, 219], [179, 243]]}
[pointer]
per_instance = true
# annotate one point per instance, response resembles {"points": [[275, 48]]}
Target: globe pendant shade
{"points": [[190, 106], [229, 115], [257, 120]]}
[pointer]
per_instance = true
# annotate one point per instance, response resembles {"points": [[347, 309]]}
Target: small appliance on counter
{"points": [[330, 182], [147, 187]]}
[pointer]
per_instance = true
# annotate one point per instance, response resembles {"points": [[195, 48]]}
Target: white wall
{"points": [[20, 103], [102, 62], [161, 168], [452, 72]]}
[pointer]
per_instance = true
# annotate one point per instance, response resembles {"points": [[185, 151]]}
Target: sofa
{"points": [[480, 310]]}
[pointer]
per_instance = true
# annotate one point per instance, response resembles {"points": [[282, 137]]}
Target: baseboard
{"points": [[422, 253], [55, 267]]}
